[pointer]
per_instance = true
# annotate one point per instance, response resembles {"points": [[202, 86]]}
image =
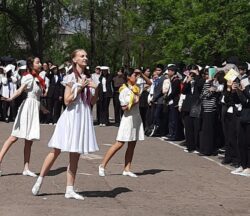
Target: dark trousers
{"points": [[54, 107], [192, 129], [104, 109], [244, 145], [9, 110], [1, 110], [207, 134], [117, 108], [175, 125], [43, 117], [231, 137], [143, 112], [157, 113]]}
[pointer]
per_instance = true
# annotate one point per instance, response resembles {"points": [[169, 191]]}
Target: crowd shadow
{"points": [[153, 171], [57, 171], [108, 194]]}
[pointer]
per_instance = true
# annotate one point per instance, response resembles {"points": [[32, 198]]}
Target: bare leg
{"points": [[72, 168], [27, 151], [129, 155], [8, 143], [110, 153], [47, 164], [49, 161], [71, 176]]}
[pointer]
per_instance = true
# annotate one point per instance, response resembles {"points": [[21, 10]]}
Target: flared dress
{"points": [[27, 125], [74, 131], [131, 127]]}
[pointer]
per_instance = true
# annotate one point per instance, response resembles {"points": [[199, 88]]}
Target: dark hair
{"points": [[220, 77], [161, 66], [173, 68], [192, 67], [243, 66], [29, 62], [128, 72]]}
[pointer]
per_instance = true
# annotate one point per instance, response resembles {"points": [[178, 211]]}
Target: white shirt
{"points": [[95, 77], [141, 83], [104, 84]]}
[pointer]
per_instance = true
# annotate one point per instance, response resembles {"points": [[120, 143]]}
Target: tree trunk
{"points": [[92, 33], [39, 19]]}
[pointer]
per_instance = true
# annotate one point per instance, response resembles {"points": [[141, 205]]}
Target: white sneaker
{"points": [[73, 195], [29, 173], [237, 171], [128, 173], [245, 172], [101, 170], [36, 188]]}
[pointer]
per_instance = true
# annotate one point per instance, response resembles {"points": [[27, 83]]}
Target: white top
{"points": [[8, 88], [95, 77], [74, 131], [27, 123], [104, 89], [46, 79], [131, 127], [141, 83]]}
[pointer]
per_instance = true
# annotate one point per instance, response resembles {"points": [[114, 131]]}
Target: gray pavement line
{"points": [[87, 174], [106, 144], [210, 159]]}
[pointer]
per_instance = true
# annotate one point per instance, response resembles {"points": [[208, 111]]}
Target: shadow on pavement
{"points": [[110, 194], [57, 171], [153, 171], [11, 174]]}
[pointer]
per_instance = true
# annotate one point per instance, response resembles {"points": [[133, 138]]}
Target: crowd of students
{"points": [[199, 105]]}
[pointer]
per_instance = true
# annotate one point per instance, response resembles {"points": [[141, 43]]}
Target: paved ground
{"points": [[170, 182]]}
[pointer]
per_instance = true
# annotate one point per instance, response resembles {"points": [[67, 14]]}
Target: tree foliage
{"points": [[128, 32]]}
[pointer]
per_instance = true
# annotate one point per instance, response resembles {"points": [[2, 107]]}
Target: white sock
{"points": [[39, 180], [69, 189]]}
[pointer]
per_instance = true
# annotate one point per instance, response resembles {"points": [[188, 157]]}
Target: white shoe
{"points": [[125, 173], [29, 173], [73, 195], [101, 170], [36, 188], [237, 171], [245, 172], [0, 173]]}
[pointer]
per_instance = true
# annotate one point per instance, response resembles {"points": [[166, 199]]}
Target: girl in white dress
{"points": [[26, 124], [131, 127], [74, 132]]}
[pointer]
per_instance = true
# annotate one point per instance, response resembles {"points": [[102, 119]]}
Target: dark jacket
{"points": [[158, 95], [192, 97], [56, 89], [109, 92]]}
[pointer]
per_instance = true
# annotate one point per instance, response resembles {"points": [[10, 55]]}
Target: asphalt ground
{"points": [[171, 182]]}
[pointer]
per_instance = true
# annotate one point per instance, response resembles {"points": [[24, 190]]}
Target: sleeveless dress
{"points": [[131, 127], [74, 131], [27, 125]]}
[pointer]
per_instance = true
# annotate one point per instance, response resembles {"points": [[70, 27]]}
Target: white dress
{"points": [[74, 131], [27, 123], [131, 127]]}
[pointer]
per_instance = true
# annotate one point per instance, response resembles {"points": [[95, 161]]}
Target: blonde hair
{"points": [[73, 54]]}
